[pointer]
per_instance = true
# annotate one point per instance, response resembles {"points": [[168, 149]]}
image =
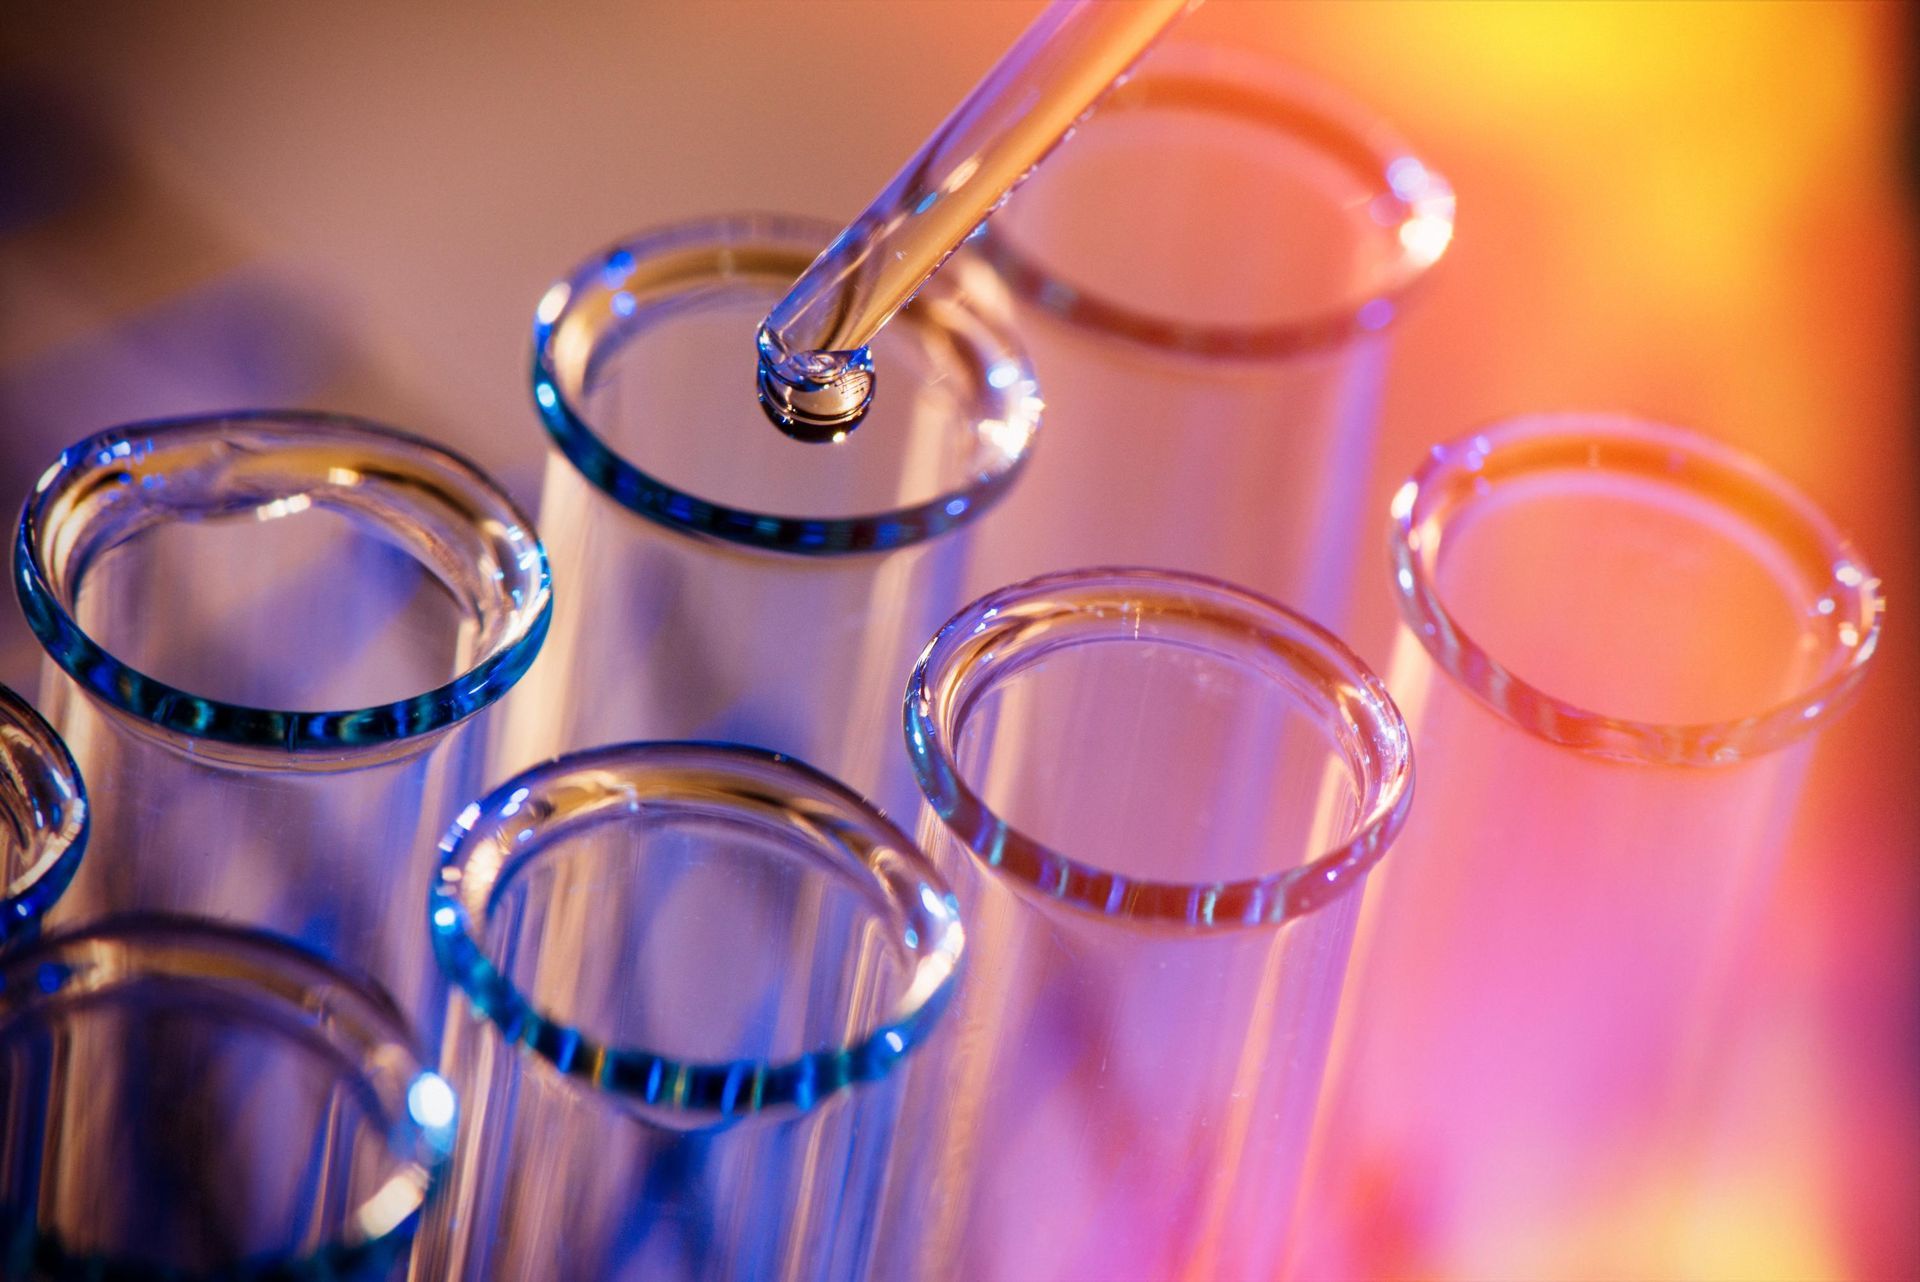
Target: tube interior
{"points": [[701, 929], [189, 1098], [1263, 214], [645, 370], [225, 575], [1156, 745], [702, 934], [1587, 569], [43, 816]]}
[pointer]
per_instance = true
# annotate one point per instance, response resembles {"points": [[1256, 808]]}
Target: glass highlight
{"points": [[687, 973], [816, 372], [1213, 359], [718, 580], [184, 1100], [43, 818], [1158, 797], [268, 633], [1620, 640]]}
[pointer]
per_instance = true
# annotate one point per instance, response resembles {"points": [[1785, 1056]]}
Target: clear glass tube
{"points": [[718, 580], [181, 1100], [1158, 797], [267, 634], [43, 819], [689, 971], [1619, 640], [1213, 355]]}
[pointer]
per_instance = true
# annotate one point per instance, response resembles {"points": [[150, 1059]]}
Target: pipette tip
{"points": [[818, 411]]}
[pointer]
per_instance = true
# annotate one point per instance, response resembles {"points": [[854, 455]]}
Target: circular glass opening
{"points": [[645, 370], [1630, 588]]}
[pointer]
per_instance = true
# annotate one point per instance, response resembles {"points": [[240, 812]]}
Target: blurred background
{"points": [[1699, 213]]}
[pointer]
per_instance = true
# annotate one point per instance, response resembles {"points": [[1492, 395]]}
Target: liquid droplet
{"points": [[817, 397]]}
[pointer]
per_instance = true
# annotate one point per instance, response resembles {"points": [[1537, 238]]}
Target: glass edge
{"points": [[722, 1092], [664, 504], [24, 903], [47, 1256], [1620, 739], [1247, 903], [152, 702], [1428, 201]]}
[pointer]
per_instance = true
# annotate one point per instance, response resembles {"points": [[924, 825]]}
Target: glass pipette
{"points": [[816, 374]]}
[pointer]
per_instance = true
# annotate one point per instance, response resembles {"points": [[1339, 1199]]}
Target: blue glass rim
{"points": [[116, 456], [749, 780], [956, 668], [1410, 196], [723, 242], [53, 798], [355, 1016]]}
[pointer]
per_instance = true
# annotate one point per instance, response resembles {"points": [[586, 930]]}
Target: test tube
{"points": [[1158, 797], [688, 971], [1206, 275], [1620, 639], [718, 580], [43, 819], [186, 1100], [211, 594]]}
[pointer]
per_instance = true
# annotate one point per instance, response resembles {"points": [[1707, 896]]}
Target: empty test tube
{"points": [[686, 974], [197, 1102], [1158, 797], [267, 634], [716, 580], [1620, 640], [1213, 359], [43, 818]]}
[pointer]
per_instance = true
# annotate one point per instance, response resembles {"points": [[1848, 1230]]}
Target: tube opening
{"points": [[1160, 747], [702, 930], [644, 369], [1264, 215], [43, 817], [210, 1102], [1630, 589], [282, 581]]}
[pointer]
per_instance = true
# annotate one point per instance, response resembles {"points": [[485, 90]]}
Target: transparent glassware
{"points": [[1158, 797], [1620, 639], [43, 819], [182, 1099], [689, 971], [268, 633], [718, 580], [1206, 273]]}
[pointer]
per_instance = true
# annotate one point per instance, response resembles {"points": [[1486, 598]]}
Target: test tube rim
{"points": [[339, 1005], [253, 734], [692, 1092], [1454, 472], [61, 839], [660, 501], [1289, 91], [939, 693]]}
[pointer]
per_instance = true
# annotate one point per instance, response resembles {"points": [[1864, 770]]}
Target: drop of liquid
{"points": [[816, 397]]}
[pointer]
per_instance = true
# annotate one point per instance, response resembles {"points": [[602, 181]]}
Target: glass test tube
{"points": [[1205, 272], [288, 1131], [691, 969], [1619, 640], [43, 819], [718, 580], [1158, 797], [211, 591]]}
